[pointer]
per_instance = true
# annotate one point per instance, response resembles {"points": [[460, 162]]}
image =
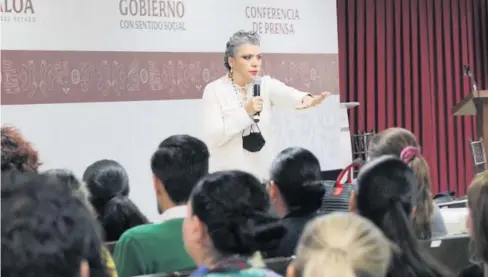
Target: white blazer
{"points": [[224, 121]]}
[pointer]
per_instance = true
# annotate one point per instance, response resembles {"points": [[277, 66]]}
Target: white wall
{"points": [[73, 135]]}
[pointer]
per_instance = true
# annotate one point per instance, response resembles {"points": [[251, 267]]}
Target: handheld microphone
{"points": [[256, 88]]}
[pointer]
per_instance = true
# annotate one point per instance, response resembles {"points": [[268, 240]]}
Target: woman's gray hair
{"points": [[236, 40]]}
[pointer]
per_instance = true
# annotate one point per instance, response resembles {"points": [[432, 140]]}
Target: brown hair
{"points": [[17, 152], [478, 207], [393, 141]]}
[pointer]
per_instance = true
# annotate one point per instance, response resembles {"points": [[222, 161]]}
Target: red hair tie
{"points": [[409, 153]]}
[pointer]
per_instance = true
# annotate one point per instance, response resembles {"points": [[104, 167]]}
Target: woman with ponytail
{"points": [[385, 194], [341, 245], [108, 184], [296, 192], [427, 220], [228, 225]]}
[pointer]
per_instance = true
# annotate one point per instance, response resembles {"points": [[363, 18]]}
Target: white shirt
{"points": [[172, 213], [224, 120]]}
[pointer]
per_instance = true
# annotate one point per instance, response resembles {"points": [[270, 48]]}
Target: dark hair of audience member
{"points": [[478, 208], [66, 177], [296, 173], [47, 231], [179, 163], [393, 141], [386, 196], [17, 152], [234, 205], [12, 177], [108, 184]]}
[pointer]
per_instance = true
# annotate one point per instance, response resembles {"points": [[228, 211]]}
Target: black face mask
{"points": [[254, 141]]}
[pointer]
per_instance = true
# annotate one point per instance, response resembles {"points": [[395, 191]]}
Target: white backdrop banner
{"points": [[88, 80]]}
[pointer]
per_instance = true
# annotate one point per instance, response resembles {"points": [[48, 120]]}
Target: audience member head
{"points": [[403, 144], [341, 245], [68, 179], [295, 185], [17, 152], [177, 166], [108, 184], [477, 221], [12, 177], [65, 177], [385, 194], [227, 216], [47, 231]]}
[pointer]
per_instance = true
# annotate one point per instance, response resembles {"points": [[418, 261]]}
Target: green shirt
{"points": [[152, 248]]}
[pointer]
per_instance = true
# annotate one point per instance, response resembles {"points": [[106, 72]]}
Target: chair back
{"points": [[443, 197], [110, 246], [462, 203], [360, 143], [360, 146], [155, 275], [180, 273], [478, 154], [453, 252], [279, 264], [330, 174]]}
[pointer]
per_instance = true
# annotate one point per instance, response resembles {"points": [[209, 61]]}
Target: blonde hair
{"points": [[342, 245], [478, 206]]}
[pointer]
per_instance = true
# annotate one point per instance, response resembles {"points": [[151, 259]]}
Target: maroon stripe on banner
{"points": [[42, 77]]}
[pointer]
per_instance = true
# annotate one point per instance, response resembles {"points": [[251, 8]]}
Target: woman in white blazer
{"points": [[229, 107]]}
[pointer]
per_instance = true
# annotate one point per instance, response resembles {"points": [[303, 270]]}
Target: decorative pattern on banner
{"points": [[40, 77]]}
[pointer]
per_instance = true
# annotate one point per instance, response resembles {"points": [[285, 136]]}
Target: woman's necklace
{"points": [[241, 91]]}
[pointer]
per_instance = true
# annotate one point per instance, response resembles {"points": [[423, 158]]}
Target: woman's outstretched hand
{"points": [[311, 101]]}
